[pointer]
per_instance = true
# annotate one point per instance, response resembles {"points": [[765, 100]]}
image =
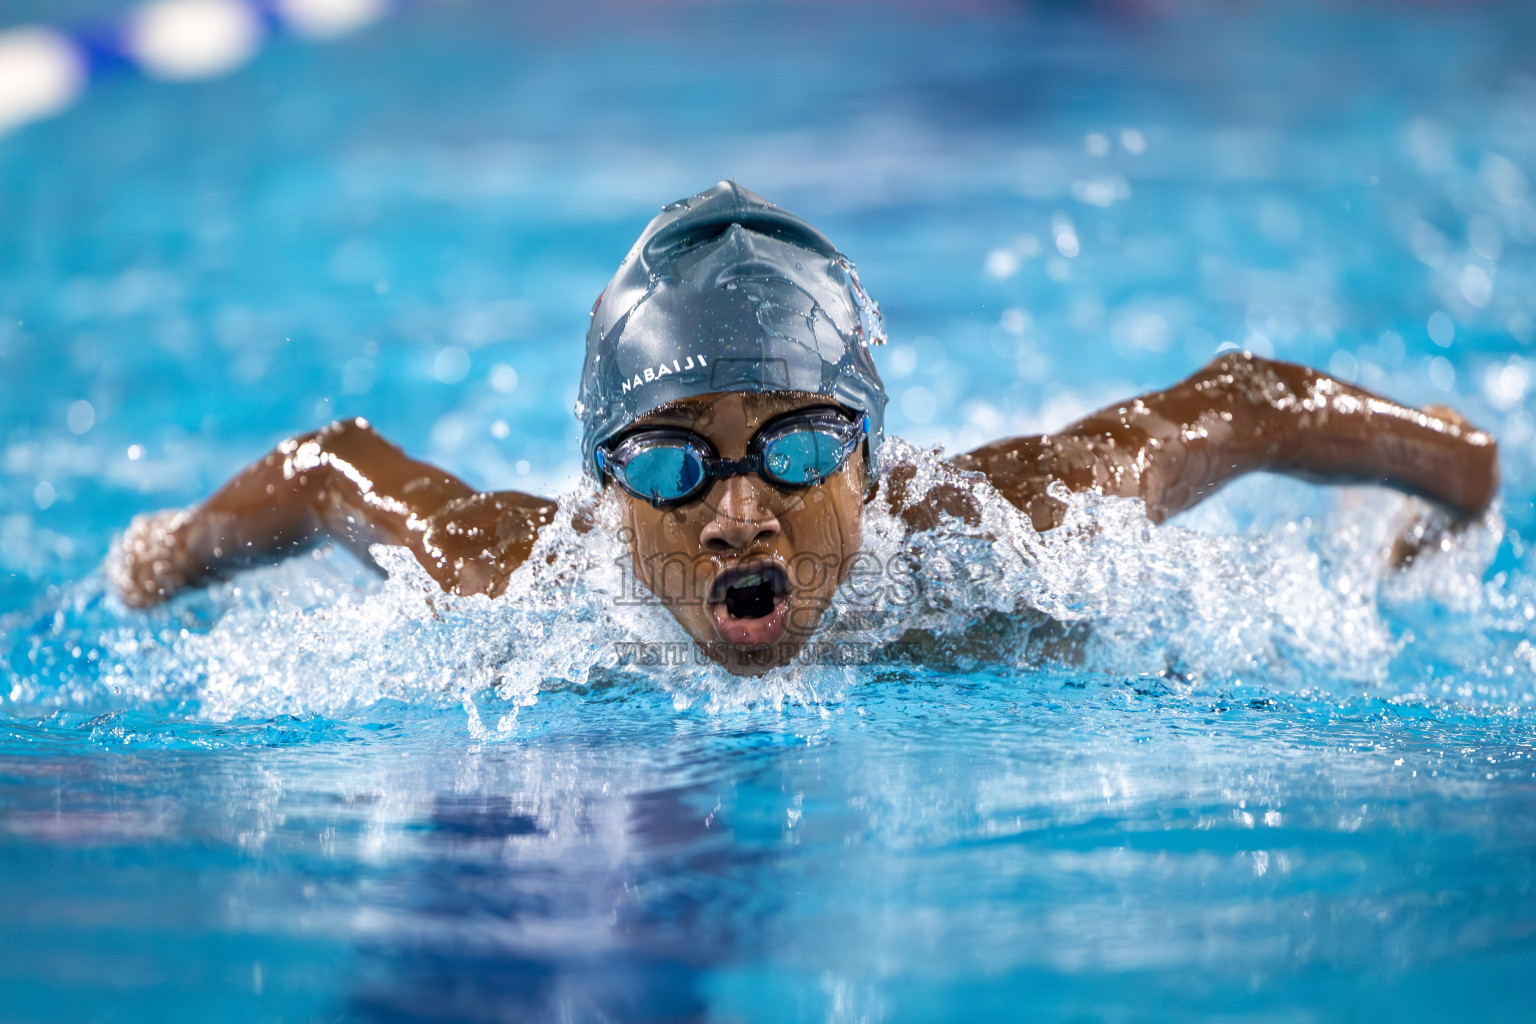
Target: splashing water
{"points": [[1294, 610]]}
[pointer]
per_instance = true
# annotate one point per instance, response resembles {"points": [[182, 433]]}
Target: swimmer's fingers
{"points": [[924, 508], [472, 545], [148, 564], [1423, 529]]}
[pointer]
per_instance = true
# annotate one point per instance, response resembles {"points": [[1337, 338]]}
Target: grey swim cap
{"points": [[727, 292]]}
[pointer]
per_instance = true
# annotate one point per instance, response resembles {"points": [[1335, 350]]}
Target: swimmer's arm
{"points": [[344, 483], [1242, 414]]}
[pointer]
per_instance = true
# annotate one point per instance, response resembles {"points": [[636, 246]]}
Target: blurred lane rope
{"points": [[44, 70]]}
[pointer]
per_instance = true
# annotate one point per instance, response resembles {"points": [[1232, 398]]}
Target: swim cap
{"points": [[727, 292]]}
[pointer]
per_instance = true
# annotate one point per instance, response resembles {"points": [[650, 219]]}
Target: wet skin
{"points": [[1171, 448]]}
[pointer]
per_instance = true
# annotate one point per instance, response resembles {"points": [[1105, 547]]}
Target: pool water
{"points": [[1268, 779]]}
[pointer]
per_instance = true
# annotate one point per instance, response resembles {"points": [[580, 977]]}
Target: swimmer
{"points": [[730, 405]]}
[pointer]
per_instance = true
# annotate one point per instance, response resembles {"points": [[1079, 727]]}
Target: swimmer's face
{"points": [[749, 567]]}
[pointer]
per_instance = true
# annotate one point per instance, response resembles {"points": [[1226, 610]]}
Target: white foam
{"points": [[1279, 607]]}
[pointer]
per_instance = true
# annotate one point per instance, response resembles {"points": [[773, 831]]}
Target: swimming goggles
{"points": [[670, 466]]}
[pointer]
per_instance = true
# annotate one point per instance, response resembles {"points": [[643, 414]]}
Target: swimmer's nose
{"points": [[740, 520]]}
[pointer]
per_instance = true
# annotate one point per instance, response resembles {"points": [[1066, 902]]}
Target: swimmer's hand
{"points": [[1425, 527], [345, 484], [149, 564], [951, 495]]}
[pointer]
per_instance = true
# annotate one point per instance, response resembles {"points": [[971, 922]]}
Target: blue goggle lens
{"points": [[804, 456], [664, 472], [670, 467]]}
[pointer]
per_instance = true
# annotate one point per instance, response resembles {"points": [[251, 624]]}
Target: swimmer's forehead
{"points": [[757, 405]]}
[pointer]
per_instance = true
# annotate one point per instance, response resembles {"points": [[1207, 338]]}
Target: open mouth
{"points": [[750, 604]]}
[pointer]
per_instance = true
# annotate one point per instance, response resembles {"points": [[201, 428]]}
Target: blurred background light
{"points": [[186, 39], [41, 73], [324, 19]]}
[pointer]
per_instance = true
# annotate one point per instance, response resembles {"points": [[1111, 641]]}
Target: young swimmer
{"points": [[730, 404]]}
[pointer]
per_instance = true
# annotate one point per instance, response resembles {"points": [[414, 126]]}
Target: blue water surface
{"points": [[1277, 781]]}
